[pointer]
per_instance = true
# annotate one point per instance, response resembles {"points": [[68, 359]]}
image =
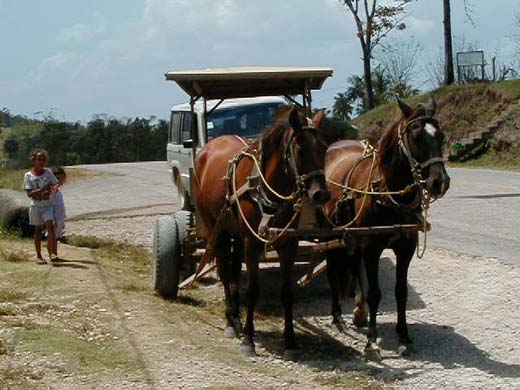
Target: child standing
{"points": [[59, 205], [38, 183]]}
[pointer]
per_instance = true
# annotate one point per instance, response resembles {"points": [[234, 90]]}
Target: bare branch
{"points": [[468, 10]]}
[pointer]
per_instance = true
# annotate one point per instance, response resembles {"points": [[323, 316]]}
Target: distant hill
{"points": [[461, 111]]}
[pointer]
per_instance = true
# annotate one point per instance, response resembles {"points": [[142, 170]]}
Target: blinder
{"points": [[417, 167], [289, 162]]}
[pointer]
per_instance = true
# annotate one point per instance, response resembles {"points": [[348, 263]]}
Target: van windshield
{"points": [[247, 121]]}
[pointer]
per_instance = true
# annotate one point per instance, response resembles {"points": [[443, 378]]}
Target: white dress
{"points": [[59, 213]]}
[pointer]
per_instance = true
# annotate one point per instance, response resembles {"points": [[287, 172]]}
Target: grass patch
{"points": [[509, 88], [12, 179], [12, 295], [492, 159], [7, 311], [77, 355], [89, 242], [13, 256]]}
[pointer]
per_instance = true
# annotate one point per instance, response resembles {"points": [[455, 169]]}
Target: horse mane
{"points": [[387, 146], [269, 139]]}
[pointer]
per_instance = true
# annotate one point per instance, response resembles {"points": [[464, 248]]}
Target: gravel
{"points": [[464, 314], [463, 311]]}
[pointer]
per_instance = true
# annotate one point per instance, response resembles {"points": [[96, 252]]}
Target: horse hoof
{"points": [[406, 349], [291, 354], [340, 325], [373, 353], [247, 350], [359, 322], [230, 333]]}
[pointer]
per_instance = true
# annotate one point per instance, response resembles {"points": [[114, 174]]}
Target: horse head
{"points": [[304, 156], [421, 139]]}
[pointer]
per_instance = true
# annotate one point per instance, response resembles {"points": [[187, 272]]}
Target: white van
{"points": [[245, 117]]}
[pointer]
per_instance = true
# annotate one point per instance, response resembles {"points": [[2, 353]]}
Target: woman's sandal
{"points": [[55, 258], [40, 260]]}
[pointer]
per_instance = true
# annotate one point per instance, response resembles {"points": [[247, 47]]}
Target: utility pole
{"points": [[449, 75]]}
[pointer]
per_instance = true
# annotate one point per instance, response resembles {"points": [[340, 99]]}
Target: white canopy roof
{"points": [[223, 83]]}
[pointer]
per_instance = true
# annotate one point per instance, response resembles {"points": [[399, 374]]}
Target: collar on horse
{"points": [[258, 189]]}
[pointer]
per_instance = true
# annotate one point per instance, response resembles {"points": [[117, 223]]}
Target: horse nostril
{"points": [[321, 197]]}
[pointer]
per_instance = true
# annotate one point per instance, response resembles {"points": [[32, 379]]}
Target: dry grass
{"points": [[462, 110], [13, 178]]}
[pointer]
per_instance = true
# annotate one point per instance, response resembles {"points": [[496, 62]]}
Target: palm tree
{"points": [[342, 108]]}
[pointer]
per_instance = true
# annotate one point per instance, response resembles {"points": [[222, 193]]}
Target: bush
{"points": [[103, 140]]}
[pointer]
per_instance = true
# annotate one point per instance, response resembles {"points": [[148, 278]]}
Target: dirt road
{"points": [[464, 316]]}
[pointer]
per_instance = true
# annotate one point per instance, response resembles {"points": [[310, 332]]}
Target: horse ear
{"points": [[294, 120], [405, 109], [431, 107], [317, 121]]}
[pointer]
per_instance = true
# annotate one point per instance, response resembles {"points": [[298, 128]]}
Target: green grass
{"points": [[11, 179], [492, 160], [76, 354], [509, 88]]}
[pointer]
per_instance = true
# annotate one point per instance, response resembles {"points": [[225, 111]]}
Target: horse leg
{"points": [[253, 251], [287, 253], [371, 258], [333, 263], [224, 266], [404, 251], [360, 314], [236, 269]]}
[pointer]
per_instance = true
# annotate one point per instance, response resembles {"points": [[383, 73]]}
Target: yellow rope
{"points": [[253, 232], [368, 151], [283, 197], [366, 193], [425, 206]]}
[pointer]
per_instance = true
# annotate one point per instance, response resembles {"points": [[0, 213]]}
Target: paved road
{"points": [[479, 216]]}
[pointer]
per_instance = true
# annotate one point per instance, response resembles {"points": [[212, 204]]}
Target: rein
{"points": [[289, 161]]}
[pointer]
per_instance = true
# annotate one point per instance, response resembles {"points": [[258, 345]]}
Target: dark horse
{"points": [[290, 157], [408, 163]]}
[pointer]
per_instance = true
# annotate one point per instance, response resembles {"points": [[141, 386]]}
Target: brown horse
{"points": [[290, 157], [407, 163]]}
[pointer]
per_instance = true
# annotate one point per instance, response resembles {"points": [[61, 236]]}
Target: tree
{"points": [[374, 21], [399, 60], [342, 108]]}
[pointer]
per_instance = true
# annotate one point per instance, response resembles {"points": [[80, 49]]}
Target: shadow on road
{"points": [[314, 299]]}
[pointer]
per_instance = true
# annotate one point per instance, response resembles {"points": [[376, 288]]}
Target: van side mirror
{"points": [[187, 143]]}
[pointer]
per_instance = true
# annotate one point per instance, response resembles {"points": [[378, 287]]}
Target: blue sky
{"points": [[79, 58]]}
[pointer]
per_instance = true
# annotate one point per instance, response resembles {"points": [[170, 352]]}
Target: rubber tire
{"points": [[167, 257], [185, 221]]}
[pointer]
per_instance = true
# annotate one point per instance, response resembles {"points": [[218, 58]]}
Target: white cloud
{"points": [[79, 33], [419, 25], [57, 63]]}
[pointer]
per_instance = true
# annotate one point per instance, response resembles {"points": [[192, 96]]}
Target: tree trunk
{"points": [[449, 76], [367, 69]]}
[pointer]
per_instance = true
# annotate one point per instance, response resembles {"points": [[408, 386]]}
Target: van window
{"points": [[247, 121], [187, 123], [175, 127]]}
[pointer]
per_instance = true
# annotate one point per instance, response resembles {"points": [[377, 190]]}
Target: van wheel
{"points": [[167, 257]]}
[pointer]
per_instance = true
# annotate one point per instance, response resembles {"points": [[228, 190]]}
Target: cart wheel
{"points": [[167, 257], [185, 222]]}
